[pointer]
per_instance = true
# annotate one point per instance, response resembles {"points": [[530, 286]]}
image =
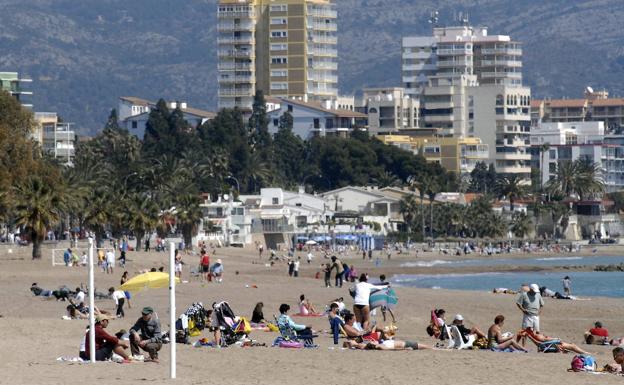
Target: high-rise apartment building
{"points": [[469, 84], [12, 83], [286, 48]]}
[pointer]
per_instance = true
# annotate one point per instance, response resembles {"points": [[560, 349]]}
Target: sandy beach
{"points": [[34, 334]]}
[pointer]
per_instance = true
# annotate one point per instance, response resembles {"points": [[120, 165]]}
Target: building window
{"points": [[276, 122], [279, 60], [317, 123], [329, 123], [279, 33], [278, 20], [279, 8], [279, 73], [276, 201], [279, 86], [134, 124], [290, 108], [372, 110], [279, 47]]}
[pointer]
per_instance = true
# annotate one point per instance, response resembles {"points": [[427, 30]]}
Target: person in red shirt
{"points": [[105, 344], [205, 266], [597, 334]]}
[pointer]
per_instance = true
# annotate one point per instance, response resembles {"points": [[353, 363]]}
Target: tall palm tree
{"points": [[580, 178], [421, 187], [520, 224], [38, 207], [433, 188], [512, 188], [140, 216], [387, 179], [188, 216], [408, 208]]}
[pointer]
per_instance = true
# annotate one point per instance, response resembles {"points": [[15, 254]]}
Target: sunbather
{"points": [[618, 356], [496, 340], [305, 307], [597, 335], [355, 331], [257, 316], [539, 338]]}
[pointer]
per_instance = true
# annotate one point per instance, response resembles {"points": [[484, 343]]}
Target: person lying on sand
{"points": [[503, 290], [565, 346], [355, 332], [618, 357]]}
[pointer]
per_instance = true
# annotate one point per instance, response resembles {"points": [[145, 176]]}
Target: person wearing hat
{"points": [[530, 304], [458, 321], [217, 271], [105, 344], [146, 334]]}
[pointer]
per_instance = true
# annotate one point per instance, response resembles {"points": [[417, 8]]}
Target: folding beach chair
{"points": [[458, 341], [549, 346], [287, 333]]}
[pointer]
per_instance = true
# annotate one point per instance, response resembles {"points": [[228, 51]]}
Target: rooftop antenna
{"points": [[434, 18], [463, 18]]}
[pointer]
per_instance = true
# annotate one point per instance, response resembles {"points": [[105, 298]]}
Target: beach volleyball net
{"points": [[57, 254]]}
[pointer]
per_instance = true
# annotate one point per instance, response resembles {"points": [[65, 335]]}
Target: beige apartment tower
{"points": [[286, 48]]}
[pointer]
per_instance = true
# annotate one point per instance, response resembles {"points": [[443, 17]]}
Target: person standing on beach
{"points": [[531, 304], [110, 261], [296, 264], [327, 271], [567, 285], [337, 264], [205, 267]]}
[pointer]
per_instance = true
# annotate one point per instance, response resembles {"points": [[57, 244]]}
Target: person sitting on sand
{"points": [[354, 331], [496, 339], [303, 331], [105, 344], [618, 357], [458, 321], [146, 334], [335, 321], [597, 335], [257, 316], [305, 307]]}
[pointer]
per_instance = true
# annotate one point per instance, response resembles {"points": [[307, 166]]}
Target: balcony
{"points": [[475, 154], [238, 79], [247, 91], [502, 63], [454, 63], [245, 104], [332, 27], [231, 27], [236, 40], [234, 66], [454, 52], [513, 169], [322, 39], [322, 91], [502, 51], [236, 14], [323, 52], [514, 75], [324, 66], [324, 13], [236, 54], [439, 118], [323, 78]]}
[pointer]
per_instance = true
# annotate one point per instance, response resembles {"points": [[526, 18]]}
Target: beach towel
{"points": [[384, 297], [308, 315]]}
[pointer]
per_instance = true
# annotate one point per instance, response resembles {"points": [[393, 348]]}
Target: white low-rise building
{"points": [[133, 114], [311, 118]]}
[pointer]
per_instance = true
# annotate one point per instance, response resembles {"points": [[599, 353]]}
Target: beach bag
{"points": [[243, 326], [272, 327], [480, 343], [583, 363]]}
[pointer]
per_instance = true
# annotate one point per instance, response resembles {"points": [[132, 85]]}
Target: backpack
{"points": [[583, 363]]}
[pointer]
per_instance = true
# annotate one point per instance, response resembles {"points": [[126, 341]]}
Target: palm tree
{"points": [[432, 190], [188, 216], [141, 216], [408, 209], [512, 188], [420, 185], [520, 224], [38, 207], [580, 178], [387, 179]]}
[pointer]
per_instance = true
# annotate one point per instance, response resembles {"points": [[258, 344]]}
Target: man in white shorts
{"points": [[531, 303], [110, 261]]}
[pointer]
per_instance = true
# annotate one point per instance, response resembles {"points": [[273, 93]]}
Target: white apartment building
{"points": [[389, 110], [313, 118], [56, 138], [133, 114], [469, 84]]}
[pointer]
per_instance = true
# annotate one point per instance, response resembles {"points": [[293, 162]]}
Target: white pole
{"points": [[91, 304], [172, 309]]}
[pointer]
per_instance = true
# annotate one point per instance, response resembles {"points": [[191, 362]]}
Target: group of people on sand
{"points": [[144, 335]]}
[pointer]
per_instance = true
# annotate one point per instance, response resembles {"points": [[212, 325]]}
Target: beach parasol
{"points": [[310, 242], [151, 280], [384, 297]]}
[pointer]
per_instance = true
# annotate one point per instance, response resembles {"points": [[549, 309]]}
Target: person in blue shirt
{"points": [[335, 321], [301, 331], [67, 256]]}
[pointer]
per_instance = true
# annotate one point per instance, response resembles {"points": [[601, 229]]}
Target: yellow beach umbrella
{"points": [[151, 280]]}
